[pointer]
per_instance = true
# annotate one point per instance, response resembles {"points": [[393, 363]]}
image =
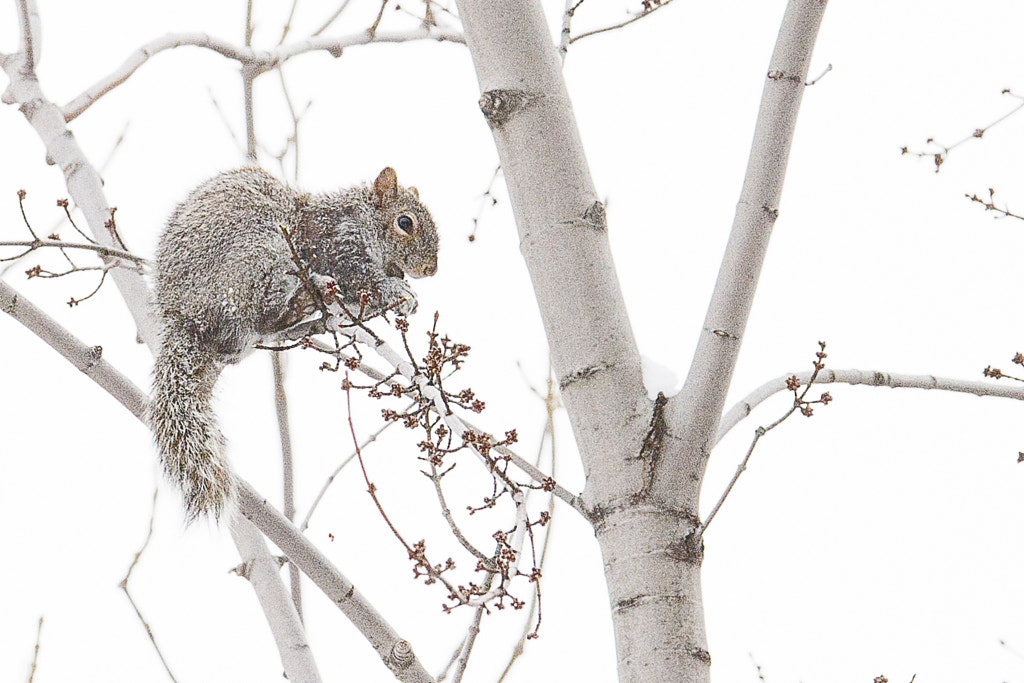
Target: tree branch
{"points": [[288, 467], [396, 653], [128, 593], [108, 252], [872, 378], [261, 570], [649, 9], [83, 182], [257, 61], [694, 413]]}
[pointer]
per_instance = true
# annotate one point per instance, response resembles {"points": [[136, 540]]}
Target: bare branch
{"points": [[696, 409], [86, 359], [261, 569], [566, 34], [128, 594], [376, 22], [820, 76], [83, 182], [35, 652], [109, 252], [366, 442], [551, 405], [940, 156], [288, 22], [474, 631], [990, 205], [331, 19], [650, 7], [872, 378], [257, 61], [395, 652], [31, 35], [288, 467], [800, 403]]}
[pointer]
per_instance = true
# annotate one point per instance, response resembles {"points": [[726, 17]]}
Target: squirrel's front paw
{"points": [[406, 305], [401, 299]]}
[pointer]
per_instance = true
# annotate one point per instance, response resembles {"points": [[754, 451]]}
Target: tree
{"points": [[644, 457]]}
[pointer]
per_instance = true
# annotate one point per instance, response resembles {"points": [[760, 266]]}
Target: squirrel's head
{"points": [[410, 237]]}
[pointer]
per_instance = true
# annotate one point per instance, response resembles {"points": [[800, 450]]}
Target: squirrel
{"points": [[226, 279]]}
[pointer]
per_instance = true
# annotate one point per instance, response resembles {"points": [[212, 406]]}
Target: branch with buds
{"points": [[939, 152], [112, 257]]}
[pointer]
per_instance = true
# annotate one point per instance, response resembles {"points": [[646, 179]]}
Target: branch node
{"points": [[500, 105], [596, 217], [401, 655]]}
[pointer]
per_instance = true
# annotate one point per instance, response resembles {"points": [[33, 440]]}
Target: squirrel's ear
{"points": [[385, 187], [415, 192]]}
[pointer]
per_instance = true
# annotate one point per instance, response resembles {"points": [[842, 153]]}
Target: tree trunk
{"points": [[644, 460]]}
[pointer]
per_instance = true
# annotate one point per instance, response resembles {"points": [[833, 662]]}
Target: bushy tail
{"points": [[190, 442]]}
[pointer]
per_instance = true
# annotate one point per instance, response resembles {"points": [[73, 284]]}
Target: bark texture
{"points": [[644, 460]]}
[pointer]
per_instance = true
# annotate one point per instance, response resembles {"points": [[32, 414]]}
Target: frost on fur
{"points": [[185, 427]]}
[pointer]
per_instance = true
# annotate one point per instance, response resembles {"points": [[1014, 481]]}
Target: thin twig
{"points": [[451, 661], [940, 157], [654, 7], [484, 203], [872, 378], [109, 252], [821, 76], [372, 31], [435, 477], [474, 631], [563, 42], [288, 23], [124, 586], [760, 673], [1011, 650], [288, 468], [331, 19], [366, 442], [248, 76], [800, 403], [227, 124], [551, 405], [990, 205], [417, 554], [35, 653]]}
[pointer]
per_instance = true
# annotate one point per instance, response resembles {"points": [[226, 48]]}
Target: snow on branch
{"points": [[872, 378], [256, 61], [507, 557]]}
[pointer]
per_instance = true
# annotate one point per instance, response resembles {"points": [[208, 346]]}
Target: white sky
{"points": [[883, 536]]}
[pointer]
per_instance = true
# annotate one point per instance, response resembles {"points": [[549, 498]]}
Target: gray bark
{"points": [[644, 460]]}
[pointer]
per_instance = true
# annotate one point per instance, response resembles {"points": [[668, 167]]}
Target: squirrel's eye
{"points": [[405, 224]]}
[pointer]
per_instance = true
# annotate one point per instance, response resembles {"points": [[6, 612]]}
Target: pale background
{"points": [[883, 536]]}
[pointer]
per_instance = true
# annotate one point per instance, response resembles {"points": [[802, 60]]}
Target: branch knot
{"points": [[500, 105]]}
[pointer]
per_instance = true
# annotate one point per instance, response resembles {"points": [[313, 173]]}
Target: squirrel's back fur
{"points": [[225, 280]]}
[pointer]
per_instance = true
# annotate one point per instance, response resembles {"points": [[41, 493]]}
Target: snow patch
{"points": [[659, 378]]}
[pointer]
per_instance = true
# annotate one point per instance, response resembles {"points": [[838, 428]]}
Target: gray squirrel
{"points": [[226, 280]]}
